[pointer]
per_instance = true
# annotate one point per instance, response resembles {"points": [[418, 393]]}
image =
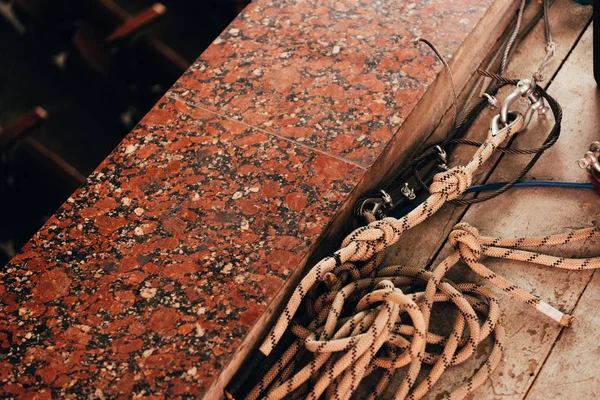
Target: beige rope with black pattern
{"points": [[360, 324]]}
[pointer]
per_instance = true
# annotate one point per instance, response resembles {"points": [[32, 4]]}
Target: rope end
{"points": [[560, 317], [566, 320]]}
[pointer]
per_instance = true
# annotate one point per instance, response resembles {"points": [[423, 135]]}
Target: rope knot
{"points": [[372, 239], [451, 183], [467, 240]]}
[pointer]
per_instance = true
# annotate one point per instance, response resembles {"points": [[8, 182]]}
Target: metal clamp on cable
{"points": [[525, 88], [591, 162], [443, 161]]}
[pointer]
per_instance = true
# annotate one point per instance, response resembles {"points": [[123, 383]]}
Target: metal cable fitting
{"points": [[408, 192], [590, 160]]}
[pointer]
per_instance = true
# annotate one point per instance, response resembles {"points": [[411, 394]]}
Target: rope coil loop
{"points": [[366, 242]]}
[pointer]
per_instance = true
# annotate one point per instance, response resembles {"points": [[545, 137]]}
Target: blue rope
{"points": [[494, 186]]}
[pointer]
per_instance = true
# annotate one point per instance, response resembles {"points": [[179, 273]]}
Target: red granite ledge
{"points": [[339, 76], [149, 277]]}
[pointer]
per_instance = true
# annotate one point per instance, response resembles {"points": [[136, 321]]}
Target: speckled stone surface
{"points": [[147, 279], [339, 76]]}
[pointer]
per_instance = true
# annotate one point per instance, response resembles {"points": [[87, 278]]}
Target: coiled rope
{"points": [[359, 324], [365, 242], [375, 336]]}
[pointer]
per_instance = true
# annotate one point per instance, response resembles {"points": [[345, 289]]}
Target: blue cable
{"points": [[498, 185], [494, 186]]}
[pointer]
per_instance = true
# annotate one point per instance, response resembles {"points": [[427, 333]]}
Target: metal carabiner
{"points": [[377, 203], [492, 101]]}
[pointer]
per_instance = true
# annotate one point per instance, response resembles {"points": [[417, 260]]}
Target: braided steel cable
{"points": [[448, 71], [524, 31], [468, 116], [512, 39], [550, 45], [538, 151]]}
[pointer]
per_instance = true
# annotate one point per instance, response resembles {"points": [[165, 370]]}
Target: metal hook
{"points": [[377, 203], [443, 157], [441, 154], [492, 101], [387, 199]]}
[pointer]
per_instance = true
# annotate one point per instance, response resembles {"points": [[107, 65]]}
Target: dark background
{"points": [[89, 110]]}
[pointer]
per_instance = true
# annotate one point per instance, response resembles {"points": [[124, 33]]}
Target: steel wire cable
{"points": [[430, 150], [424, 157], [513, 37]]}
